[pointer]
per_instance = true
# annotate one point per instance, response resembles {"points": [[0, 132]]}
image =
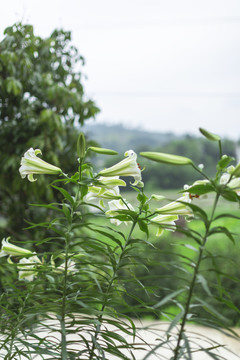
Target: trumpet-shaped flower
{"points": [[115, 206], [13, 250], [107, 189], [110, 182], [164, 222], [233, 184], [126, 167], [28, 268], [31, 164], [177, 207], [71, 267]]}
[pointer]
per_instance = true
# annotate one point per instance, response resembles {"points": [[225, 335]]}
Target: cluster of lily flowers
{"points": [[105, 190], [29, 263]]}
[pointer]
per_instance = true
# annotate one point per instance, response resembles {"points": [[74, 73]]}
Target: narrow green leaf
{"points": [[66, 212], [209, 308], [49, 206], [203, 282], [223, 230], [175, 321], [168, 297], [64, 192], [227, 216], [198, 211], [143, 226], [230, 195], [224, 162]]}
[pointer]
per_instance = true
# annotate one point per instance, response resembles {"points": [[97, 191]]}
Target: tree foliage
{"points": [[41, 101]]}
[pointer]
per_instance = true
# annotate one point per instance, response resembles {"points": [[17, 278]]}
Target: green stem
{"points": [[193, 282], [64, 354], [200, 171], [105, 301], [220, 148]]}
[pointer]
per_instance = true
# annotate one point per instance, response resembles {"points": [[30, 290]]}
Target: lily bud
{"points": [[167, 158], [209, 135], [102, 150], [81, 146], [158, 197]]}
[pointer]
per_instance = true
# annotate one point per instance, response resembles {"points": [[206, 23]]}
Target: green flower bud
{"points": [[167, 158], [102, 151], [81, 146], [209, 135]]}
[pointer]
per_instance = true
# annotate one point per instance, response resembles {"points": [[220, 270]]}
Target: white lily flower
{"points": [[27, 268], [116, 205], [98, 193], [233, 184], [164, 222], [224, 178], [177, 207], [110, 182], [31, 164], [126, 167], [109, 190], [200, 182], [71, 267], [12, 250]]}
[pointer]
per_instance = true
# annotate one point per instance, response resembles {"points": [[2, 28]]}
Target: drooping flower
{"points": [[71, 267], [28, 268], [107, 189], [164, 222], [12, 250], [170, 213], [31, 164], [177, 207], [233, 184], [115, 206], [126, 167]]}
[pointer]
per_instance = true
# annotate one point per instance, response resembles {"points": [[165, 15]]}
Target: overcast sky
{"points": [[161, 65]]}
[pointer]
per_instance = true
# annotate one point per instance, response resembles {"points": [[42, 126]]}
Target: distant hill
{"points": [[119, 138]]}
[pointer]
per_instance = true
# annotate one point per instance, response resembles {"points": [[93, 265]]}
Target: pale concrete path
{"points": [[152, 334]]}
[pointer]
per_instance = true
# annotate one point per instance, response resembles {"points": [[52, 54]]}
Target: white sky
{"points": [[162, 65]]}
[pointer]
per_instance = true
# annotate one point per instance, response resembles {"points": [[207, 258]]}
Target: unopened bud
{"points": [[209, 135], [167, 158], [102, 151], [81, 146]]}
